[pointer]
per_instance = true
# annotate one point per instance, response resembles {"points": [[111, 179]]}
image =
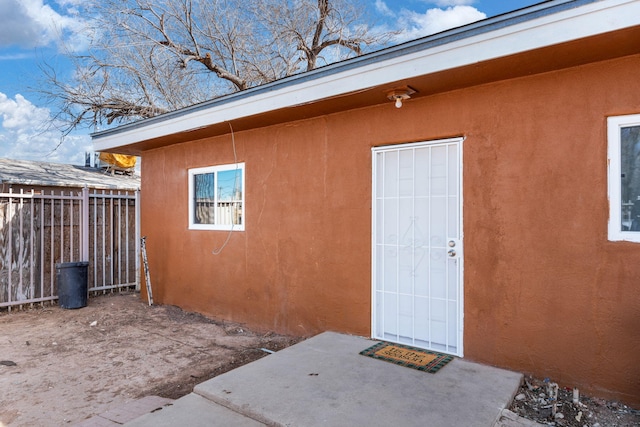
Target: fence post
{"points": [[10, 244], [84, 230], [137, 214]]}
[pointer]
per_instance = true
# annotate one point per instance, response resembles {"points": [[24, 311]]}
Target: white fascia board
{"points": [[556, 28]]}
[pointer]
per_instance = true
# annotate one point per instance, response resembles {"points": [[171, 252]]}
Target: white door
{"points": [[417, 245]]}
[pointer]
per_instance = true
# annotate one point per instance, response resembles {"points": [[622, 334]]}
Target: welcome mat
{"points": [[411, 357]]}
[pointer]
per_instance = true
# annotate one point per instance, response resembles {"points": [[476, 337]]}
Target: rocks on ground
{"points": [[544, 402]]}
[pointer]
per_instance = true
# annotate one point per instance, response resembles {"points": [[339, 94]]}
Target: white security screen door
{"points": [[417, 245]]}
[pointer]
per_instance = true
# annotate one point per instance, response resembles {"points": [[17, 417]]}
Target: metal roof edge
{"points": [[46, 174], [62, 184], [484, 26]]}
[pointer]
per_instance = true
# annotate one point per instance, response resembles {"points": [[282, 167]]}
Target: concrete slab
{"points": [[136, 408], [323, 381], [126, 412], [194, 411]]}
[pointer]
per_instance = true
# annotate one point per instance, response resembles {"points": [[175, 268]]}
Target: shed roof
{"points": [[43, 174], [547, 36]]}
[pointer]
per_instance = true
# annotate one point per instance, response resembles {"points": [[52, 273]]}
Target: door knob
{"points": [[452, 253]]}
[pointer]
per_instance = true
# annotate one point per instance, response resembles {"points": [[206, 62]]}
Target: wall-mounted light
{"points": [[400, 94]]}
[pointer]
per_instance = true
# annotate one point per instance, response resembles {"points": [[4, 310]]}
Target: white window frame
{"points": [[216, 169], [614, 127]]}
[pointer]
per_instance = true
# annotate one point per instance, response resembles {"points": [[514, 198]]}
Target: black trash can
{"points": [[72, 278]]}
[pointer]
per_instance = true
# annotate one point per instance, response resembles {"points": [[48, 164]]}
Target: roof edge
{"points": [[489, 31]]}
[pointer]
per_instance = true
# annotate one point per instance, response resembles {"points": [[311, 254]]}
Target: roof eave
{"points": [[539, 26]]}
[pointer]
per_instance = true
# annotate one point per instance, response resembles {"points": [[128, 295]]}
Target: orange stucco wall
{"points": [[545, 292]]}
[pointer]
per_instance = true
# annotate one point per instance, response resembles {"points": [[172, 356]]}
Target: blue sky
{"points": [[31, 32]]}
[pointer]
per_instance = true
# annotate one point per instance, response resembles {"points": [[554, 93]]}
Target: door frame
{"points": [[376, 149]]}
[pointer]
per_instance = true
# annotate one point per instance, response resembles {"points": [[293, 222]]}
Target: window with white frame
{"points": [[216, 197], [624, 177]]}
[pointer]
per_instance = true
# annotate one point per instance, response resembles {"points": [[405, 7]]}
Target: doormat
{"points": [[411, 357]]}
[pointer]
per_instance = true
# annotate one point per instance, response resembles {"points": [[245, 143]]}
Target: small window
{"points": [[216, 198], [624, 178]]}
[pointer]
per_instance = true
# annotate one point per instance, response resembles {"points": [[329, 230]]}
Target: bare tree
{"points": [[147, 57]]}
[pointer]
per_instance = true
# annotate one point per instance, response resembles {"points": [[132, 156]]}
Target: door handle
{"points": [[452, 253]]}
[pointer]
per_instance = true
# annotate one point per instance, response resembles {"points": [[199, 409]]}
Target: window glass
{"points": [[204, 202], [624, 177], [630, 178], [216, 197]]}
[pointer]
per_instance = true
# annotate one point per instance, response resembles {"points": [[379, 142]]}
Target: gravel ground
{"points": [[536, 398]]}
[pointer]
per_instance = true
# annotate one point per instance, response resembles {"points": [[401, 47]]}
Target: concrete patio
{"points": [[324, 381]]}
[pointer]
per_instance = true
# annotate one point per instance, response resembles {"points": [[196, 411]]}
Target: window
{"points": [[624, 178], [216, 198]]}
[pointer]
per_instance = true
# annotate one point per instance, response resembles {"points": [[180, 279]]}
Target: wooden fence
{"points": [[39, 230]]}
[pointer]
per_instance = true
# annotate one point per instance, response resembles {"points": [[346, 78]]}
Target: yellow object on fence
{"points": [[118, 160]]}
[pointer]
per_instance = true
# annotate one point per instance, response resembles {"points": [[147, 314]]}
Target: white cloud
{"points": [[447, 3], [32, 23], [14, 56], [27, 132], [382, 8], [413, 25], [71, 2]]}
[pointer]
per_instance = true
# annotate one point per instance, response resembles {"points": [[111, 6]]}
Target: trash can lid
{"points": [[72, 264]]}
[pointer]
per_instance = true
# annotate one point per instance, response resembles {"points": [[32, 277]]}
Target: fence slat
{"points": [[71, 239], [62, 230], [111, 257], [104, 241], [42, 246], [20, 258], [10, 247], [85, 223], [32, 284], [51, 248]]}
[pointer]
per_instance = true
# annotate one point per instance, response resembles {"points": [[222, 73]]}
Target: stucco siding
{"points": [[545, 292]]}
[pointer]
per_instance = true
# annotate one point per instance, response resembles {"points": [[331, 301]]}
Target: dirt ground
{"points": [[62, 366]]}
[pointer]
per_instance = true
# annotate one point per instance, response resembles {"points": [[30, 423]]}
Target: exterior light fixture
{"points": [[400, 94]]}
